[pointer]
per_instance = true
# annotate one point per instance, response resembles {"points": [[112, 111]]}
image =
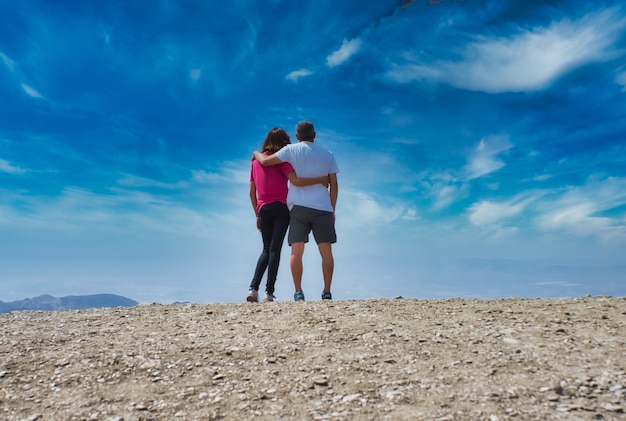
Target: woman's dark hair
{"points": [[275, 140]]}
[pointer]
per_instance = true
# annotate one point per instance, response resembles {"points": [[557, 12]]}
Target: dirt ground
{"points": [[379, 359]]}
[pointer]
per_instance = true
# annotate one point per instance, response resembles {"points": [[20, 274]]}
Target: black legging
{"points": [[274, 223]]}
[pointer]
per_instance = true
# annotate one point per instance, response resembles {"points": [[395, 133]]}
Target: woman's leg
{"points": [[281, 223], [267, 227]]}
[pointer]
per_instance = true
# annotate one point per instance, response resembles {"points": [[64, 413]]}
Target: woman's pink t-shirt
{"points": [[271, 182]]}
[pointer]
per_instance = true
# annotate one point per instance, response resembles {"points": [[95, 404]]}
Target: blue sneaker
{"points": [[327, 295], [298, 296]]}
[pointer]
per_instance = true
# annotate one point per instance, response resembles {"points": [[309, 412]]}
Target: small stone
{"points": [[563, 407], [614, 408], [320, 381], [350, 398]]}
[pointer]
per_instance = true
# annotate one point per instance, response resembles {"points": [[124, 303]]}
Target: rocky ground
{"points": [[380, 359]]}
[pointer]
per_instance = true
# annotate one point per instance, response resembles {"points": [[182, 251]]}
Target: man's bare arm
{"points": [[334, 189], [303, 182], [266, 160]]}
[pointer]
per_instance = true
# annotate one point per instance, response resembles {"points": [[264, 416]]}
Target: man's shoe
{"points": [[269, 298], [327, 295], [253, 296], [298, 296]]}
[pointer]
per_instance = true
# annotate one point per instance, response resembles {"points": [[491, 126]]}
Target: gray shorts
{"points": [[303, 220]]}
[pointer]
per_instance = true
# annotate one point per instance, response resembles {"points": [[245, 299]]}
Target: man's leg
{"points": [[295, 262], [328, 264]]}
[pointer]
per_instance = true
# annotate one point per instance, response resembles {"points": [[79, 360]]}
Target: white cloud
{"points": [[365, 210], [7, 167], [124, 211], [451, 186], [406, 73], [485, 212], [297, 74], [229, 172], [134, 181], [7, 62], [527, 61], [583, 210], [32, 92], [411, 215], [446, 190], [579, 219], [542, 177], [347, 50], [484, 158]]}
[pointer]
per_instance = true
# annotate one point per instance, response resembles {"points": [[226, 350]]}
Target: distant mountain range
{"points": [[79, 302]]}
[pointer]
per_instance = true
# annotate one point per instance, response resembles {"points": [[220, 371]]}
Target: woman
{"points": [[268, 194]]}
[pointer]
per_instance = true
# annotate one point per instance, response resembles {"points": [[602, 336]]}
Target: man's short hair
{"points": [[305, 130]]}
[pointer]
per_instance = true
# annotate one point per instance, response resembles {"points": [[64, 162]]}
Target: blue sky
{"points": [[482, 144]]}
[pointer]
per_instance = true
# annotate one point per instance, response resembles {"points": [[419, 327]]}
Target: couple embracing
{"points": [[306, 205]]}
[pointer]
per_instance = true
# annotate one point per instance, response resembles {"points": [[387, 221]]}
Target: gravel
{"points": [[378, 359]]}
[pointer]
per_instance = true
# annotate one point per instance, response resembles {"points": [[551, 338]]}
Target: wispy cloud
{"points": [[28, 90], [78, 209], [527, 61], [452, 185], [7, 167], [486, 212], [445, 189], [590, 210], [347, 50], [135, 181], [230, 172], [580, 219], [365, 210], [484, 158], [583, 210], [297, 74], [447, 194], [7, 62], [32, 92]]}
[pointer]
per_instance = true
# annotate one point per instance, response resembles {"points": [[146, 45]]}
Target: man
{"points": [[312, 208]]}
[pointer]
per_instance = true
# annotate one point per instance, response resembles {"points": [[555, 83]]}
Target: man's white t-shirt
{"points": [[309, 160]]}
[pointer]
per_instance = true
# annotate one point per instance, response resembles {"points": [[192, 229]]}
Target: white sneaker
{"points": [[253, 296], [269, 298]]}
